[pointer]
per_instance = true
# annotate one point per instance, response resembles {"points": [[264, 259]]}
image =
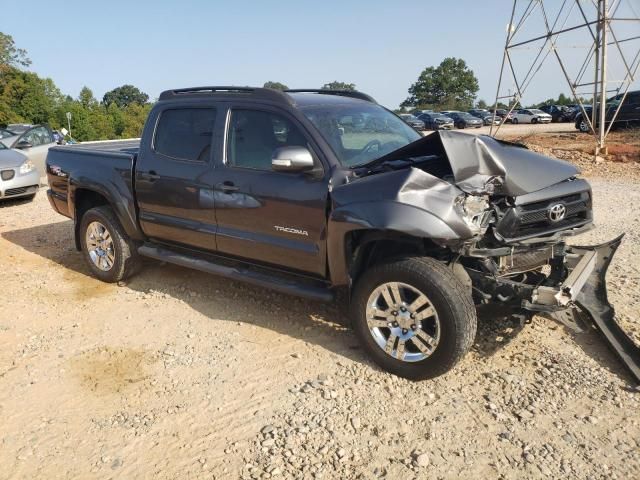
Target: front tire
{"points": [[108, 252], [514, 121], [414, 317]]}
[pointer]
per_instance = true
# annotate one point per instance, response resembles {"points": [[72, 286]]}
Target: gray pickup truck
{"points": [[314, 193]]}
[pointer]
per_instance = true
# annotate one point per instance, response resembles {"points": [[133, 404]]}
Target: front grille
{"points": [[10, 192], [532, 219], [7, 174]]}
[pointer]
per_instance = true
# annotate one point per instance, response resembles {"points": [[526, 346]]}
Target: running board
{"points": [[260, 277]]}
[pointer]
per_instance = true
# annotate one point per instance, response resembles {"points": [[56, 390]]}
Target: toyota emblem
{"points": [[557, 212]]}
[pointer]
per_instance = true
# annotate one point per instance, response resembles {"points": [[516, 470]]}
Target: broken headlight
{"points": [[474, 209]]}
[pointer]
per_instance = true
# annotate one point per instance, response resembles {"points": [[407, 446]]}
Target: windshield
{"points": [[535, 110], [359, 133]]}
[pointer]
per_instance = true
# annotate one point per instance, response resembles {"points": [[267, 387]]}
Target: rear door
{"points": [[266, 216], [174, 178]]}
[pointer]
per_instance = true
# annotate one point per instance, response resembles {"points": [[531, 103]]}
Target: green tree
{"points": [[450, 85], [275, 86], [481, 104], [335, 85], [10, 55], [86, 97], [124, 96], [25, 97]]}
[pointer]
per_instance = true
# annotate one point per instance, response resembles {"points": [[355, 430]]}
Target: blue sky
{"points": [[381, 46]]}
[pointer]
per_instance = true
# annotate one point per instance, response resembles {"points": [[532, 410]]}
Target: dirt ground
{"points": [[179, 374]]}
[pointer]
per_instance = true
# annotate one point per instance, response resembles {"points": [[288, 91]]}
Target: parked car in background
{"points": [[504, 115], [412, 121], [417, 113], [485, 115], [531, 115], [479, 112], [628, 116], [559, 113], [436, 121], [18, 175], [33, 141], [465, 120]]}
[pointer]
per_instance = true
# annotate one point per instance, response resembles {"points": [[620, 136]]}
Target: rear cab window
{"points": [[185, 134]]}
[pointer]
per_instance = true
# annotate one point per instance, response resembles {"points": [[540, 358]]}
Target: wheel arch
{"points": [[83, 199], [400, 228]]}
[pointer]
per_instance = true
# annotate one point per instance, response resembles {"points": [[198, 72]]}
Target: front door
{"points": [[174, 177], [267, 216]]}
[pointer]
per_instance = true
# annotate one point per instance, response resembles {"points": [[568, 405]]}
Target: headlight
{"points": [[473, 209], [27, 166]]}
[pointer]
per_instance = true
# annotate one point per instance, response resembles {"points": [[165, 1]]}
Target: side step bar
{"points": [[255, 276]]}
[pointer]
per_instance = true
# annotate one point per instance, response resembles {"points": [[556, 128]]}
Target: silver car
{"points": [[18, 175], [34, 142]]}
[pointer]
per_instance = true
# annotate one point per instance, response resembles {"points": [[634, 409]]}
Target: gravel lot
{"points": [[182, 374]]}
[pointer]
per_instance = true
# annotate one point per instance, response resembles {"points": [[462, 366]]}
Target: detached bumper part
{"points": [[585, 289]]}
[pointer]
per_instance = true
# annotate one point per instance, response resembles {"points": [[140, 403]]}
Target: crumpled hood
{"points": [[475, 159], [11, 158]]}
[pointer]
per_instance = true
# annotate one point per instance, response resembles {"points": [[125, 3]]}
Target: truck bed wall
{"points": [[106, 172]]}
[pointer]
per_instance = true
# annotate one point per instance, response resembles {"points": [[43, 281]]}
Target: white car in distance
{"points": [[531, 115]]}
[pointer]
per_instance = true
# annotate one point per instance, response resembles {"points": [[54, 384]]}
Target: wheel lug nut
{"points": [[394, 313], [395, 324], [413, 327], [404, 330]]}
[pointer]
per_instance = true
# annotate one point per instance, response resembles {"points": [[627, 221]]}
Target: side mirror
{"points": [[292, 159], [23, 144]]}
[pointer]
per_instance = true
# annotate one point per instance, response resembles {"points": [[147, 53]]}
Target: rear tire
{"points": [[534, 120], [418, 342], [514, 121], [108, 252]]}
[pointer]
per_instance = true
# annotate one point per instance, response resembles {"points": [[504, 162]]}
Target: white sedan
{"points": [[531, 115]]}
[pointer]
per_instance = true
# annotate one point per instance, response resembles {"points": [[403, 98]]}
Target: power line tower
{"points": [[540, 26]]}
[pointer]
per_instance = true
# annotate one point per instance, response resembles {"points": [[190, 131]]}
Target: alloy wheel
{"points": [[403, 322], [100, 246]]}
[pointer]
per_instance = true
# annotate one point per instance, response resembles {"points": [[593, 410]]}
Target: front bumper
{"points": [[585, 289], [21, 185], [573, 287]]}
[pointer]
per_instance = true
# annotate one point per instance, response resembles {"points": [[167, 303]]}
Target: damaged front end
{"points": [[504, 212]]}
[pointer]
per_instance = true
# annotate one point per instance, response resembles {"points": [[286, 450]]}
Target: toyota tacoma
{"points": [[327, 195]]}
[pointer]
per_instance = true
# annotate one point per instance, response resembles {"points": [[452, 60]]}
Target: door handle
{"points": [[227, 187], [150, 176]]}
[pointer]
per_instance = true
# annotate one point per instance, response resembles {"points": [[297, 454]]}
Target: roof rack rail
{"points": [[342, 93], [261, 92]]}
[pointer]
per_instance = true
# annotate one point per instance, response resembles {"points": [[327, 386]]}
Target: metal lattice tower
{"points": [[610, 34]]}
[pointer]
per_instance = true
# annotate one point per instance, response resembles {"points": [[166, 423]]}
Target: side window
{"points": [[253, 136], [185, 133]]}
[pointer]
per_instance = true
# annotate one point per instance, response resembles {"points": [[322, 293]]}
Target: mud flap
{"points": [[592, 301]]}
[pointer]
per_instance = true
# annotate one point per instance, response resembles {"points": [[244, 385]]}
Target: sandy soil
{"points": [[178, 374]]}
